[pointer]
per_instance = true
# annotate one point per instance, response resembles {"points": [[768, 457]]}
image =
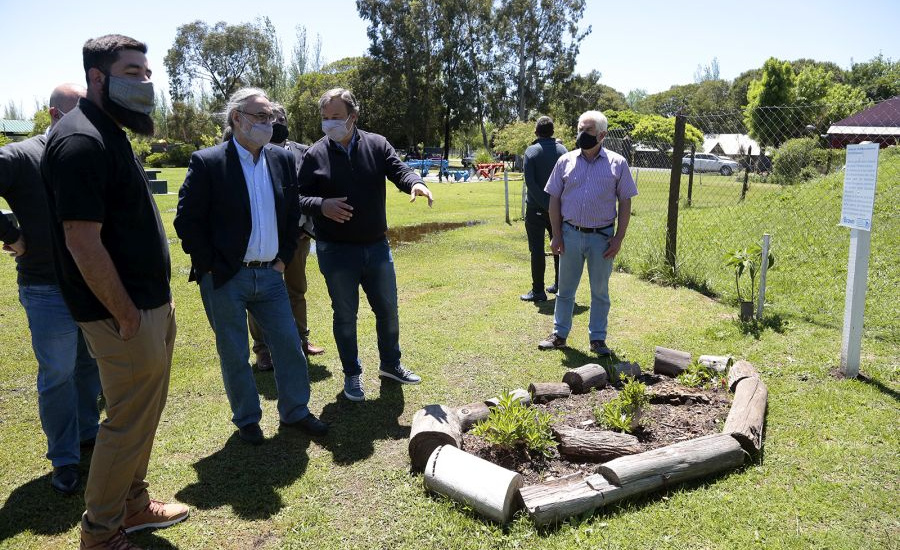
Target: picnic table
{"points": [[443, 169], [488, 170]]}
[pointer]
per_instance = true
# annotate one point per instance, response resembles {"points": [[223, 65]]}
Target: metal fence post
{"points": [[763, 269], [674, 192], [691, 176], [506, 194], [747, 173]]}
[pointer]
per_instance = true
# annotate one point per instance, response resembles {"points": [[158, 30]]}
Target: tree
{"points": [[737, 93], [767, 119], [626, 119], [13, 111], [189, 122], [304, 118], [879, 77], [841, 101], [635, 97], [671, 102], [707, 72], [659, 132], [303, 58], [580, 93], [223, 57], [41, 122]]}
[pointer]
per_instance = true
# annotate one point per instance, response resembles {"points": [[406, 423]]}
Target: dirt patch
{"points": [[677, 413]]}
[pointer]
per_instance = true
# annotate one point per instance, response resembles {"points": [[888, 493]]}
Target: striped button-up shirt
{"points": [[588, 189], [263, 244]]}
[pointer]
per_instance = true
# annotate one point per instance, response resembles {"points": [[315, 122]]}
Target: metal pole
{"points": [[746, 174], [506, 194], [691, 175], [674, 192], [764, 267], [855, 301]]}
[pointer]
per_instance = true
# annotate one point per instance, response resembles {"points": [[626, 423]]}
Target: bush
{"points": [[483, 156], [511, 423], [623, 413], [798, 160], [156, 160], [698, 375], [180, 154]]}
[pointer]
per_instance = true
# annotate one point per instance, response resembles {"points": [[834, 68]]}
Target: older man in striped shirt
{"points": [[585, 187]]}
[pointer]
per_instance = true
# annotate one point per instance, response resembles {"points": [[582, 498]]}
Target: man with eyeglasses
{"points": [[237, 218]]}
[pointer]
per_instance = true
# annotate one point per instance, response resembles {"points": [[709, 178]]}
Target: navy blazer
{"points": [[213, 217]]}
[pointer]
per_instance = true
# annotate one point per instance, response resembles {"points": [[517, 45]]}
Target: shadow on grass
{"points": [[574, 358], [879, 386], [36, 508], [547, 307], [246, 477], [265, 380], [755, 327], [355, 426]]}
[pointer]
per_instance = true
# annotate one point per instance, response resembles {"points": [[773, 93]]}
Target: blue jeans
{"points": [[260, 291], [68, 382], [580, 248], [346, 267]]}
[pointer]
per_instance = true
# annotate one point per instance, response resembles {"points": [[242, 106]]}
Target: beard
{"points": [[133, 120]]}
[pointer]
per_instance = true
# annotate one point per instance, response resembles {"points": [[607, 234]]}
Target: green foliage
{"points": [[698, 375], [483, 156], [188, 122], [41, 122], [878, 78], [511, 423], [626, 119], [514, 138], [798, 160], [775, 88], [156, 160], [623, 413], [140, 146], [747, 260], [4, 140], [177, 155], [659, 132], [573, 96], [841, 101]]}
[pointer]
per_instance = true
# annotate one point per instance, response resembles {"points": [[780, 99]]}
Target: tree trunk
{"points": [[472, 414], [620, 370], [490, 489], [740, 370], [678, 462], [582, 379], [718, 363], [433, 426], [670, 362], [594, 445], [543, 392], [747, 417]]}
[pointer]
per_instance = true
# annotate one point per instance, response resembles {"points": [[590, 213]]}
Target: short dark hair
{"points": [[544, 127], [344, 95], [102, 52]]}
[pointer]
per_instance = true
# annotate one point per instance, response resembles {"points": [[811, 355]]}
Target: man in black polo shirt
{"points": [[112, 262]]}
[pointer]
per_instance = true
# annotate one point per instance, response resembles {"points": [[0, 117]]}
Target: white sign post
{"points": [[860, 175]]}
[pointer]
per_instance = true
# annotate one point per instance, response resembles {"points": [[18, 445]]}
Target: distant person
{"points": [[113, 267], [238, 219], [68, 383], [540, 157], [342, 186], [585, 187], [295, 272]]}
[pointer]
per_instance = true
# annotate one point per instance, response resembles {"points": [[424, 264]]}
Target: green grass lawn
{"points": [[828, 478]]}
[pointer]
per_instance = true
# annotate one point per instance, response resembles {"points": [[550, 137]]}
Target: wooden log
{"points": [[685, 460], [747, 416], [519, 393], [740, 370], [543, 392], [582, 379], [594, 445], [620, 370], [490, 489], [718, 363], [472, 414], [670, 362], [432, 426]]}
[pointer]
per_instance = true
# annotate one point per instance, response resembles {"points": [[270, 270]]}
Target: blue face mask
{"points": [[134, 95], [336, 129]]}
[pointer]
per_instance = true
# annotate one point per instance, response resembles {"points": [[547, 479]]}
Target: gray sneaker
{"points": [[400, 374], [554, 341], [353, 388]]}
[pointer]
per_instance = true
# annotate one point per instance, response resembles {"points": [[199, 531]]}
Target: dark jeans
{"points": [[537, 221]]}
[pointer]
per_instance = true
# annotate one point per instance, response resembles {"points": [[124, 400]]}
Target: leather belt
{"points": [[257, 264], [590, 229]]}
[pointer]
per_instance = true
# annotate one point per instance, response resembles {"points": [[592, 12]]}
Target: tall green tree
{"points": [[657, 131], [767, 114], [879, 77], [579, 93]]}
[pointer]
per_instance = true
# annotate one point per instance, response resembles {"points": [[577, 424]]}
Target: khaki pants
{"points": [[135, 378], [295, 281]]}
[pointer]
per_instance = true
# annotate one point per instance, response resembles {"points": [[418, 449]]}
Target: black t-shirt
{"points": [[91, 174]]}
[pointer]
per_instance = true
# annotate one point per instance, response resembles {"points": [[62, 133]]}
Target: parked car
{"points": [[706, 162]]}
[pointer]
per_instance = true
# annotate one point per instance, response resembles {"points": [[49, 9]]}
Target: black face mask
{"points": [[279, 133], [585, 141]]}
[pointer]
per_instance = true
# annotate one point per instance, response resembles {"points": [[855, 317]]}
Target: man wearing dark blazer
{"points": [[237, 218]]}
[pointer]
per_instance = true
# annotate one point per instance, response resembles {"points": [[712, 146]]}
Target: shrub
{"points": [[698, 375], [798, 160], [180, 154], [483, 156], [156, 160], [623, 413], [511, 423]]}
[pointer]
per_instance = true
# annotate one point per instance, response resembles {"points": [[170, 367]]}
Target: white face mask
{"points": [[336, 129], [260, 133]]}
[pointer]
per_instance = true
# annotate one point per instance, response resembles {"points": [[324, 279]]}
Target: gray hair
{"points": [[344, 95], [238, 99], [278, 109], [599, 119]]}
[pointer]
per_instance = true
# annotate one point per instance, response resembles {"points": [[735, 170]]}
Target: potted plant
{"points": [[748, 260]]}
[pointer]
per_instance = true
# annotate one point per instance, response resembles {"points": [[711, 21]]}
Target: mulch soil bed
{"points": [[677, 413]]}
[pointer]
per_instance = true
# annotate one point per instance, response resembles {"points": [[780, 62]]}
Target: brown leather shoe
{"points": [[554, 341], [264, 360], [157, 515], [115, 542], [311, 349]]}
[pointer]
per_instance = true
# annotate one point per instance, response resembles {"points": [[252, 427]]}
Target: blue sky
{"points": [[638, 44]]}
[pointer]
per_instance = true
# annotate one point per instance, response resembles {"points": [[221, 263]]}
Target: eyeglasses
{"points": [[259, 117]]}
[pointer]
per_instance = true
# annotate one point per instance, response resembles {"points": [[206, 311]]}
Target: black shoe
{"points": [[88, 444], [66, 479], [533, 296], [252, 434], [599, 347], [309, 425], [552, 289]]}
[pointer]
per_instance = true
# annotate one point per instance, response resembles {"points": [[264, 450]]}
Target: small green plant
{"points": [[511, 423], [748, 260], [698, 375], [624, 412], [483, 156]]}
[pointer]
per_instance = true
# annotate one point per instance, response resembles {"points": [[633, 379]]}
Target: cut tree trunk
{"points": [[490, 489], [433, 426], [678, 462], [594, 445], [747, 417], [543, 392], [670, 362], [620, 370], [472, 414], [740, 370], [718, 363], [582, 379]]}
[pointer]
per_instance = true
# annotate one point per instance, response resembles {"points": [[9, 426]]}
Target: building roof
{"points": [[880, 119], [731, 144], [11, 126]]}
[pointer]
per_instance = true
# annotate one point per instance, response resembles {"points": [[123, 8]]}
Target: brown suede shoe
{"points": [[157, 515], [554, 341], [311, 349], [115, 542], [264, 360]]}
